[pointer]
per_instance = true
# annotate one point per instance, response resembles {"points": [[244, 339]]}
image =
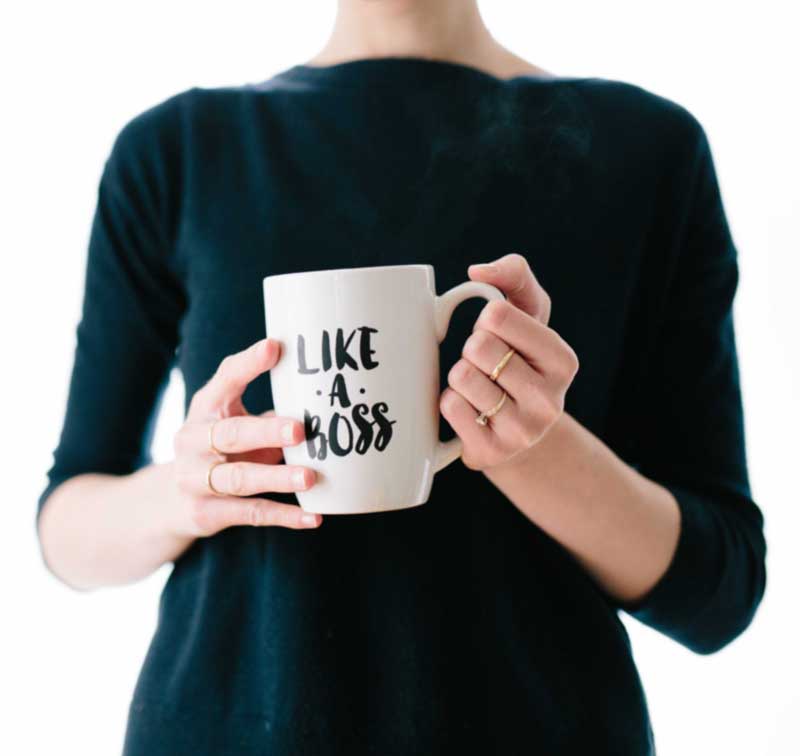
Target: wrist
{"points": [[523, 461], [161, 509]]}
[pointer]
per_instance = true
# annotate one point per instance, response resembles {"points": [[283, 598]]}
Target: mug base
{"points": [[383, 507]]}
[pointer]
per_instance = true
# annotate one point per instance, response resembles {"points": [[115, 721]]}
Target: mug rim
{"points": [[360, 269]]}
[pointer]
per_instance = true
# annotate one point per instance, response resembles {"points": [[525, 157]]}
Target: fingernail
{"points": [[485, 267], [287, 432], [265, 345], [309, 519], [299, 479]]}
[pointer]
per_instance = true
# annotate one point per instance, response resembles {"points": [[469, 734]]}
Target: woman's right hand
{"points": [[251, 446]]}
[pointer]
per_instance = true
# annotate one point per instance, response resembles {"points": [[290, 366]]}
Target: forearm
{"points": [[622, 527], [98, 530]]}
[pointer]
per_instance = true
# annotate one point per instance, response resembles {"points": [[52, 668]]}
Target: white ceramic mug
{"points": [[360, 368]]}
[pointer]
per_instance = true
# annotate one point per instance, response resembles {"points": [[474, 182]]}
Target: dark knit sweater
{"points": [[458, 626]]}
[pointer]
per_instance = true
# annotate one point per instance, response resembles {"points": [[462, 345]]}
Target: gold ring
{"points": [[483, 418], [208, 477], [211, 439], [500, 365]]}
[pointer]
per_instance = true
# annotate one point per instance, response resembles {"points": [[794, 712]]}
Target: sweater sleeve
{"points": [[690, 433], [132, 303]]}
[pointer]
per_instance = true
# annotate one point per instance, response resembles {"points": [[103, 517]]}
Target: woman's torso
{"points": [[457, 625]]}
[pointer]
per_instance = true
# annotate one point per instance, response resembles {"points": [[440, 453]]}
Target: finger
{"points": [[234, 374], [475, 386], [479, 441], [268, 455], [248, 478], [212, 514], [513, 276], [248, 432], [485, 350], [539, 345]]}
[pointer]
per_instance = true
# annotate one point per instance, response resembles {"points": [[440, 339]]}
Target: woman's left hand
{"points": [[536, 378]]}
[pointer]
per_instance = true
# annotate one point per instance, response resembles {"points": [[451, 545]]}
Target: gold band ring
{"points": [[210, 485], [211, 446], [500, 365], [483, 418]]}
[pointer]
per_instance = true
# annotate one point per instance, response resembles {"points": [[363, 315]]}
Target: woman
{"points": [[485, 621]]}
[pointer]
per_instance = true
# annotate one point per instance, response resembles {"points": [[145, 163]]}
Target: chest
{"points": [[282, 218]]}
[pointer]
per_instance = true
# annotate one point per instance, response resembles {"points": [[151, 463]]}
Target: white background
{"points": [[73, 73]]}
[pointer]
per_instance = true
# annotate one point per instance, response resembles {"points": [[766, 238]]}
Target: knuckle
{"points": [[236, 478], [460, 372], [477, 344], [568, 362], [574, 362], [447, 402], [545, 307], [520, 271], [255, 514], [285, 517], [226, 433], [451, 401], [559, 372], [518, 262], [275, 516], [495, 313]]}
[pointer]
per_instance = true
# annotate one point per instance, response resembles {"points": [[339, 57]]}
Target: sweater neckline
{"points": [[396, 71]]}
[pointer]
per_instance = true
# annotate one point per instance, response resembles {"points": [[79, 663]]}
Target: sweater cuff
{"points": [[677, 602]]}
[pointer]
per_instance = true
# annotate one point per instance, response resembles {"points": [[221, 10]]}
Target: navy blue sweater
{"points": [[459, 626]]}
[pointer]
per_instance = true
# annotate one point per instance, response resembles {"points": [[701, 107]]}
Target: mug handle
{"points": [[449, 451]]}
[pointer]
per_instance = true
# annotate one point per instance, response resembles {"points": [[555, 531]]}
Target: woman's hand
{"points": [[536, 378], [251, 455], [99, 529]]}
